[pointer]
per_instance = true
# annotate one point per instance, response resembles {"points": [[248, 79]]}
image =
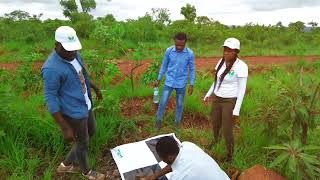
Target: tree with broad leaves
{"points": [[161, 15], [69, 7], [189, 12], [88, 5]]}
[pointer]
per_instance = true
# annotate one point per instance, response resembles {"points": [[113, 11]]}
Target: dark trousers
{"points": [[83, 129], [222, 109]]}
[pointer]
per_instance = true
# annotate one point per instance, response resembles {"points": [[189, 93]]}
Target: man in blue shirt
{"points": [[178, 62], [68, 96]]}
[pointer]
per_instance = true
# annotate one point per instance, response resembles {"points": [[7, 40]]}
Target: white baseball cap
{"points": [[67, 36], [232, 43]]}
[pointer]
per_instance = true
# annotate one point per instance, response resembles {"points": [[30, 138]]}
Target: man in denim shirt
{"points": [[178, 62], [68, 96]]}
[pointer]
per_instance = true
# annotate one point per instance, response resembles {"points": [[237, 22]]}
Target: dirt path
{"points": [[201, 63], [209, 63]]}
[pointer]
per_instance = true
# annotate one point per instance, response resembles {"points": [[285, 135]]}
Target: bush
{"points": [[83, 24], [27, 80]]}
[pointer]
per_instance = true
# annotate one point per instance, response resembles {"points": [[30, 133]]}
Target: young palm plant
{"points": [[298, 161], [298, 105]]}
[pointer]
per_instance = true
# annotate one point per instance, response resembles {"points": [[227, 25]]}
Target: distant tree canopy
{"points": [[279, 24], [156, 26], [70, 7], [297, 26], [107, 18], [18, 15], [203, 20], [161, 15], [313, 24], [88, 5], [189, 12]]}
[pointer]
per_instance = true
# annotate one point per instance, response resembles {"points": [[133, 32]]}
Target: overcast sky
{"points": [[227, 12]]}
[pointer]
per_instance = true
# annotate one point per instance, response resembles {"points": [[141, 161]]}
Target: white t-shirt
{"points": [[193, 163], [229, 86], [233, 84], [78, 69]]}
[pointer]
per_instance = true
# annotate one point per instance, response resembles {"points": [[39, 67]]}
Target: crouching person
{"points": [[186, 162]]}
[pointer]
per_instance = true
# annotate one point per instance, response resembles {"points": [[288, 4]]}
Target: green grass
{"points": [[30, 140], [20, 51], [16, 51]]}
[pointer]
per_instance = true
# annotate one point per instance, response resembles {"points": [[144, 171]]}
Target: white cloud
{"points": [[50, 9], [286, 16], [267, 5], [227, 12]]}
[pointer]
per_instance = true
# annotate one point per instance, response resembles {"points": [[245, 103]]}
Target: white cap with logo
{"points": [[232, 43], [67, 36]]}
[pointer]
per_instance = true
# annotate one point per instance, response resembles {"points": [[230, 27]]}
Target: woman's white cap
{"points": [[232, 43]]}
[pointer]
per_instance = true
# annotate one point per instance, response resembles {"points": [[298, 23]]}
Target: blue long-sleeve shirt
{"points": [[62, 87], [177, 66]]}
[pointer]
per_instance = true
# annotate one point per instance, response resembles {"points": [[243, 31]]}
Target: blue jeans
{"points": [[166, 92]]}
